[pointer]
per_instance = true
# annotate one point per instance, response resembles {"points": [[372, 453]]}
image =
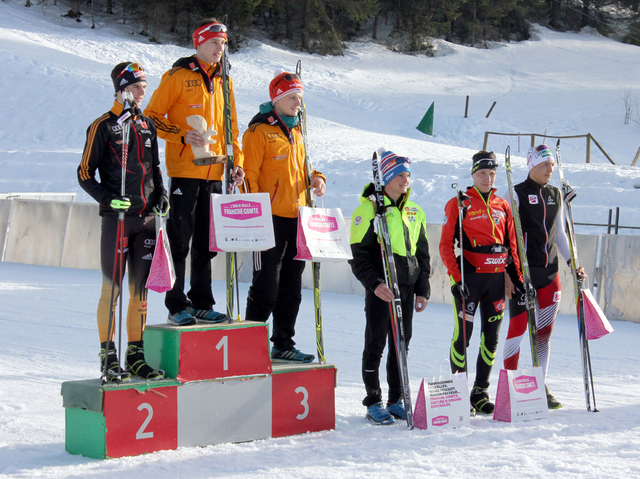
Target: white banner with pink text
{"points": [[322, 235], [241, 223], [521, 395], [442, 403]]}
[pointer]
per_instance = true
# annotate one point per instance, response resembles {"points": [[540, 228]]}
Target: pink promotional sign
{"points": [[322, 223], [521, 395], [241, 210], [525, 384], [440, 421], [596, 322]]}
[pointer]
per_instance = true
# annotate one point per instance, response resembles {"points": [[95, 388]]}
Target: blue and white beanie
{"points": [[391, 165]]}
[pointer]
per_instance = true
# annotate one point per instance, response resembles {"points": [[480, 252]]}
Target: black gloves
{"points": [[525, 287], [460, 291], [162, 206]]}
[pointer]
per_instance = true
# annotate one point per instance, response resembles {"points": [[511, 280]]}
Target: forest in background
{"points": [[322, 26]]}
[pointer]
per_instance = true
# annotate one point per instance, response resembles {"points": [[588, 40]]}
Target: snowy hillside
{"points": [[562, 84], [56, 81]]}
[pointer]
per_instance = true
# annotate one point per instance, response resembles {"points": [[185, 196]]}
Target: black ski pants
{"points": [[188, 222], [377, 333], [486, 292], [276, 288]]}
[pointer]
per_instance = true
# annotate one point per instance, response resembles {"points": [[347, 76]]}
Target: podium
{"points": [[220, 386]]}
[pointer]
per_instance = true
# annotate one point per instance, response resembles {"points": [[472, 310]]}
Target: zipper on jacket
{"points": [[544, 225], [140, 146], [292, 142]]}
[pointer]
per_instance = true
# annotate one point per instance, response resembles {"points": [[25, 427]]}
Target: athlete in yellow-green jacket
{"points": [[408, 234]]}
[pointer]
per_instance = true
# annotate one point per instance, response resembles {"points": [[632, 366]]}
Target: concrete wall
{"points": [[619, 292], [587, 246], [67, 234], [50, 233], [5, 216]]}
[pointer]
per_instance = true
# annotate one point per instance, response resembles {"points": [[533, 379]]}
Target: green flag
{"points": [[426, 124]]}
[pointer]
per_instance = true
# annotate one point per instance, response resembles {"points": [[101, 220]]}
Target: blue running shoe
{"points": [[397, 410], [206, 316], [291, 355], [181, 318], [378, 415]]}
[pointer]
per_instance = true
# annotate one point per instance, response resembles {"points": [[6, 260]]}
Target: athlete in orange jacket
{"points": [[489, 248], [193, 87], [274, 163]]}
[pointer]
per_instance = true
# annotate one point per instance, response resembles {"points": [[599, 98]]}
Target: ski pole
{"points": [[461, 209], [118, 263], [568, 194], [317, 301]]}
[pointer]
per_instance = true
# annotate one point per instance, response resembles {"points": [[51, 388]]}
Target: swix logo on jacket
{"points": [[485, 224], [499, 260], [539, 209]]}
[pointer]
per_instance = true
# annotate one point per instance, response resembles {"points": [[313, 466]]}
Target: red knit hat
{"points": [[207, 32], [282, 84]]}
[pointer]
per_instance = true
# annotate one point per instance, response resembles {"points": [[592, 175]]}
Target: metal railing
{"points": [[38, 196], [533, 142], [611, 225]]}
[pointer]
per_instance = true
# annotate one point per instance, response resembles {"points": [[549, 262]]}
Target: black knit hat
{"points": [[127, 73], [484, 160]]}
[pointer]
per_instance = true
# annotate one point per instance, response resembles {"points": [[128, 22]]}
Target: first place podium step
{"points": [[220, 387], [199, 353]]}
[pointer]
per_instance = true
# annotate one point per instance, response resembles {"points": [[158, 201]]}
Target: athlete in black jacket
{"points": [[542, 217], [144, 192]]}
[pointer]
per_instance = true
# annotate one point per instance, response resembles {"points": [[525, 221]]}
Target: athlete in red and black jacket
{"points": [[490, 248], [144, 192], [542, 218]]}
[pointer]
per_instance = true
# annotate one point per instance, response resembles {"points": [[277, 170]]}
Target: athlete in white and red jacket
{"points": [[542, 219]]}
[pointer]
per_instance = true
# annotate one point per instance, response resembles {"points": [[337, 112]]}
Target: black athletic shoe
{"points": [[137, 365], [552, 402], [181, 318], [113, 373], [206, 316], [480, 401], [292, 354]]}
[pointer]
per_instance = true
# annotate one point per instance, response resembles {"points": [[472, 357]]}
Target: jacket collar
{"points": [[192, 63], [369, 190]]}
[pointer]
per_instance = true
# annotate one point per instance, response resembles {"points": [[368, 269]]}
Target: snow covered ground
{"points": [[49, 336], [56, 81]]}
